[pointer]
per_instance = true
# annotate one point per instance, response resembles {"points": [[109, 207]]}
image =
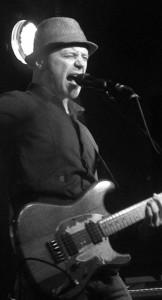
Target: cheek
{"points": [[59, 73], [56, 74]]}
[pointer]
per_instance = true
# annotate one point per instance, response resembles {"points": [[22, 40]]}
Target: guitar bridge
{"points": [[56, 251]]}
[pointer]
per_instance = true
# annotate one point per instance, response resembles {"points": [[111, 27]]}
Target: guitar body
{"points": [[57, 246]]}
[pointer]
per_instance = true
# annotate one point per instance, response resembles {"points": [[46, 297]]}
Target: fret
{"points": [[123, 219]]}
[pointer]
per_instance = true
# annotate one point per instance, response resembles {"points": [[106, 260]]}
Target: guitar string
{"points": [[83, 234]]}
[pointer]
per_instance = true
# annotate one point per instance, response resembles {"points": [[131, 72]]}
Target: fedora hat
{"points": [[58, 32]]}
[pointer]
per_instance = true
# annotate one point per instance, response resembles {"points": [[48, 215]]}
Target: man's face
{"points": [[61, 64]]}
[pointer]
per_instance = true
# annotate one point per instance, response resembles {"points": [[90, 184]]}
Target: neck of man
{"points": [[65, 105], [41, 80]]}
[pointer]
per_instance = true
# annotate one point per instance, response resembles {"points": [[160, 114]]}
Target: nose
{"points": [[79, 63]]}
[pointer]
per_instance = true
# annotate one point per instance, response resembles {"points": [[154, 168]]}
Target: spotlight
{"points": [[22, 39]]}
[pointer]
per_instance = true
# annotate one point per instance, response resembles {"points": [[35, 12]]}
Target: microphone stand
{"points": [[131, 95], [113, 91]]}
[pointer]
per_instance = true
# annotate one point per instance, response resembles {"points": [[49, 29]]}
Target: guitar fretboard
{"points": [[124, 218]]}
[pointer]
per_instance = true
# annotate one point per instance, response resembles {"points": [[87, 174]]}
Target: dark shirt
{"points": [[45, 149]]}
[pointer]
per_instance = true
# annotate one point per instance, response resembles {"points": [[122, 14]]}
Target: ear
{"points": [[40, 64]]}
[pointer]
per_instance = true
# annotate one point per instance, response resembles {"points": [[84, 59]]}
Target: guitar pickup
{"points": [[94, 232], [69, 243]]}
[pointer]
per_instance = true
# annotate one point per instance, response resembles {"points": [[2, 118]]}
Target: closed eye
{"points": [[85, 58]]}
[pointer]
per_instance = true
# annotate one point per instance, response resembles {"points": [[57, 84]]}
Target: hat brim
{"points": [[30, 59]]}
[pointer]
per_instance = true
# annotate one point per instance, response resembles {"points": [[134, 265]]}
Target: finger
{"points": [[149, 215], [158, 200], [153, 212]]}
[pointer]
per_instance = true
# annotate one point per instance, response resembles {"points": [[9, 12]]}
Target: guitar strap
{"points": [[106, 168]]}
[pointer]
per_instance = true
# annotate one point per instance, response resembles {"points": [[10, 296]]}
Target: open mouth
{"points": [[71, 78]]}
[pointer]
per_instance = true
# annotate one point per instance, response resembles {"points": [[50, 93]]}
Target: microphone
{"points": [[88, 81]]}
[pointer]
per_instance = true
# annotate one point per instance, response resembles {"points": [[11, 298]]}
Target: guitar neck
{"points": [[126, 217]]}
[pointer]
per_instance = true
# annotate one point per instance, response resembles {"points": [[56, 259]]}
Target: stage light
{"points": [[22, 39]]}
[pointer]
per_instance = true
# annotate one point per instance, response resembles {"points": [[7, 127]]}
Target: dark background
{"points": [[129, 35]]}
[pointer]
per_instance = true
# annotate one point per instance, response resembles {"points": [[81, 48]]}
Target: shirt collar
{"points": [[74, 108]]}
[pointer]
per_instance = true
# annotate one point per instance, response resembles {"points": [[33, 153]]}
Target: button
{"points": [[62, 178], [84, 186]]}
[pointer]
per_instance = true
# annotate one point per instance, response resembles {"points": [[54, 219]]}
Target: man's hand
{"points": [[154, 211], [153, 217]]}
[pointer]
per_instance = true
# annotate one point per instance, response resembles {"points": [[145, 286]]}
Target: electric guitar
{"points": [[61, 246]]}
